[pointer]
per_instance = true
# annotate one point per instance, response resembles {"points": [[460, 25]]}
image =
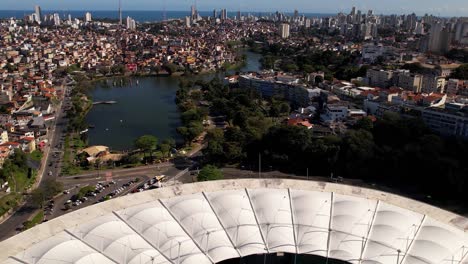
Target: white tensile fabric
{"points": [[209, 227]]}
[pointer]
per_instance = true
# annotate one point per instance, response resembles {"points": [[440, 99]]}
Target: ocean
{"points": [[140, 16]]}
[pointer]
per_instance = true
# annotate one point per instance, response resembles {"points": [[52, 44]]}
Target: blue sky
{"points": [[436, 7]]}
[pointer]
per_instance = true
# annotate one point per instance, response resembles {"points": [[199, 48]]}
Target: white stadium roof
{"points": [[213, 221]]}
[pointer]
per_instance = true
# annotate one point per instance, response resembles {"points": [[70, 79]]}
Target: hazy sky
{"points": [[436, 7]]}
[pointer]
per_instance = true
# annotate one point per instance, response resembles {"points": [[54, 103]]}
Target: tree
{"points": [[210, 173], [38, 198], [165, 149], [191, 115], [52, 188], [365, 123], [170, 67], [318, 79], [46, 191], [131, 159], [183, 131], [169, 141], [147, 143], [84, 191], [461, 72]]}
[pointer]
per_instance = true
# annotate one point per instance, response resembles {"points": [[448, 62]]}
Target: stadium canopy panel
{"points": [[211, 222]]}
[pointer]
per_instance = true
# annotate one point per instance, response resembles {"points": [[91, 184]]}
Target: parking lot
{"points": [[71, 199]]}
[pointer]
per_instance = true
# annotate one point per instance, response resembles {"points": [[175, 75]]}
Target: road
{"points": [[57, 129], [175, 174], [141, 176], [51, 167]]}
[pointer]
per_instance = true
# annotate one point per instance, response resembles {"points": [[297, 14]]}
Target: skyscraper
{"points": [[38, 12], [284, 30], [239, 15], [215, 14], [439, 39], [223, 14], [88, 17], [193, 13], [131, 24], [56, 19], [120, 12]]}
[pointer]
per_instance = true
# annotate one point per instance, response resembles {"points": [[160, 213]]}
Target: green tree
{"points": [[147, 143], [169, 141], [46, 191], [165, 149], [461, 72], [365, 123], [191, 115], [210, 173], [183, 131], [38, 198], [84, 191], [195, 129]]}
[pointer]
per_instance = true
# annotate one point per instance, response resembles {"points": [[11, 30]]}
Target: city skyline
{"points": [[448, 8]]}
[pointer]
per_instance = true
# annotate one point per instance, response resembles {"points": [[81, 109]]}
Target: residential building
{"points": [[432, 84], [131, 24], [410, 82], [88, 17], [334, 112], [224, 14], [439, 38], [446, 122], [3, 136], [284, 30], [379, 78], [38, 14], [282, 86], [455, 86]]}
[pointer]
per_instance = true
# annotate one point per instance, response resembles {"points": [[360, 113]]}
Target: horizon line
{"points": [[247, 11]]}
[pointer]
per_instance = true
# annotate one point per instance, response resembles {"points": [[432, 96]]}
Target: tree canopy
{"points": [[147, 143], [210, 173], [461, 72]]}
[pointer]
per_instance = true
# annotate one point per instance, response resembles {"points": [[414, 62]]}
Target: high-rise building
{"points": [[284, 30], [223, 14], [419, 28], [38, 13], [215, 14], [461, 31], [358, 17], [239, 15], [440, 38], [194, 13], [188, 22], [296, 13], [56, 19], [120, 12], [131, 24], [88, 17]]}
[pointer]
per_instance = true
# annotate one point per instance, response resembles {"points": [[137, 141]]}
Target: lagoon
{"points": [[146, 108]]}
